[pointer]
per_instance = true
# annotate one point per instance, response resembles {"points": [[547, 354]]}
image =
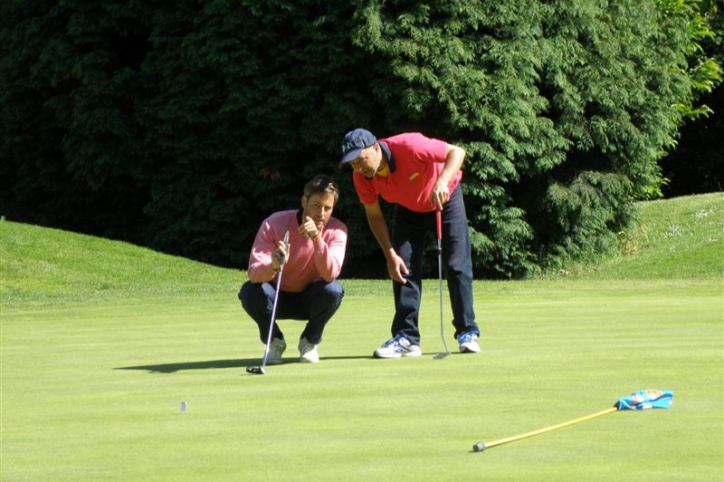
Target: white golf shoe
{"points": [[308, 352], [468, 342], [276, 349], [397, 347]]}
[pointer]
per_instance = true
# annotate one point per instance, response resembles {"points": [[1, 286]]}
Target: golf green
{"points": [[93, 392]]}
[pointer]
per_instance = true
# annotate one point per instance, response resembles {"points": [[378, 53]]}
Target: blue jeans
{"points": [[317, 304], [409, 233]]}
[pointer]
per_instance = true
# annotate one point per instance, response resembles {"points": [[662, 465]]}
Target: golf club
{"points": [[261, 370], [438, 215]]}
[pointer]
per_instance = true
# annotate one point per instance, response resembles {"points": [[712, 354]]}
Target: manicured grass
{"points": [[101, 341], [680, 238]]}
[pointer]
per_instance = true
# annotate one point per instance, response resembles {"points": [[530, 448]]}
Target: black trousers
{"points": [[316, 304], [409, 234]]}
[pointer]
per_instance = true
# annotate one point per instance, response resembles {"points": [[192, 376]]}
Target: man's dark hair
{"points": [[319, 184]]}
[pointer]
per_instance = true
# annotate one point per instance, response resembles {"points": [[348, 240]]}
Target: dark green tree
{"points": [[249, 97], [696, 163], [69, 86], [182, 124], [564, 106]]}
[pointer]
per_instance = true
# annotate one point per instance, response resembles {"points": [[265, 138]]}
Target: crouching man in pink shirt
{"points": [[312, 262]]}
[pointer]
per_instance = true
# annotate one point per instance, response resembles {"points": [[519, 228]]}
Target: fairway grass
{"points": [[100, 342]]}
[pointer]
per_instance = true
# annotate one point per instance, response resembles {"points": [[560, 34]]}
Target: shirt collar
{"points": [[388, 155]]}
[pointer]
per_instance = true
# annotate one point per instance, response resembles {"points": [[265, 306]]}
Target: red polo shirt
{"points": [[416, 163]]}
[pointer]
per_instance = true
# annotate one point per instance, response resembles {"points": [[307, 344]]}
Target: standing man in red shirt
{"points": [[419, 175], [312, 262]]}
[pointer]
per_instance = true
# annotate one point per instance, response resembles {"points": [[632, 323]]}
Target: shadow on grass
{"points": [[218, 364]]}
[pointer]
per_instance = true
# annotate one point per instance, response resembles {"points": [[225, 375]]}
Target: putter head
{"points": [[256, 370], [440, 356]]}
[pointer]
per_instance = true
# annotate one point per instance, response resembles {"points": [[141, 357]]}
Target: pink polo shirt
{"points": [[418, 162], [308, 260]]}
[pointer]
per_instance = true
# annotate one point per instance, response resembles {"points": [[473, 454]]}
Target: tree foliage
{"points": [[696, 164], [182, 124], [564, 107]]}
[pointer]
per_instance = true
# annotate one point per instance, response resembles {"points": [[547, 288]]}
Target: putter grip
{"points": [[438, 218], [286, 246]]}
